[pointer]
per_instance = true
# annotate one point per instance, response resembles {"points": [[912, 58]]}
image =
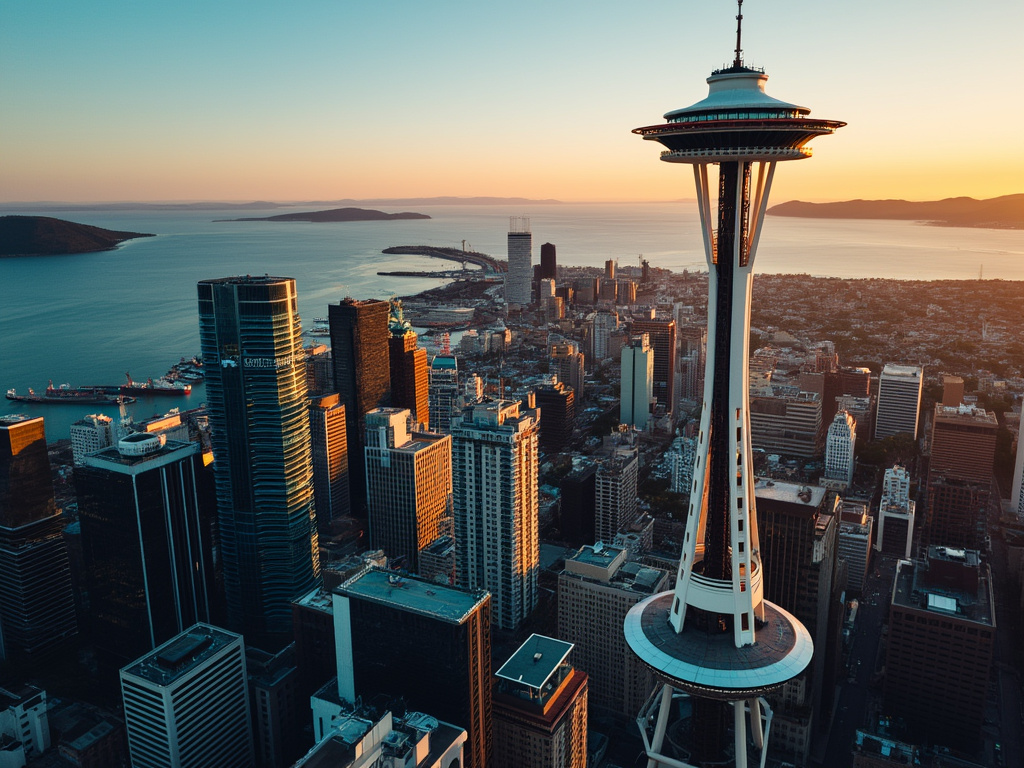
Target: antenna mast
{"points": [[738, 62]]}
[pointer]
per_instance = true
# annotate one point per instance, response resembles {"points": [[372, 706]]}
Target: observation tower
{"points": [[714, 636]]}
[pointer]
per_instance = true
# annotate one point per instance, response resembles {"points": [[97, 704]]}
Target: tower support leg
{"points": [[739, 711], [662, 726], [756, 728]]}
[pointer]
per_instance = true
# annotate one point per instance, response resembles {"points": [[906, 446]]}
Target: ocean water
{"points": [[90, 318]]}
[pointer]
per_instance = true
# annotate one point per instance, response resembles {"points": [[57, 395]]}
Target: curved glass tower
{"points": [[251, 340], [715, 636]]}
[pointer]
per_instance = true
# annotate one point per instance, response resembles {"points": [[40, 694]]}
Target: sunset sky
{"points": [[328, 99]]}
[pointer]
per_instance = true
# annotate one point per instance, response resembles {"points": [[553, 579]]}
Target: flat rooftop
{"points": [[789, 493], [933, 585], [535, 661], [410, 593], [173, 449], [600, 555], [180, 655]]}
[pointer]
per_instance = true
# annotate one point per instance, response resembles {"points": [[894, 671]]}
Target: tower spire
{"points": [[738, 61]]}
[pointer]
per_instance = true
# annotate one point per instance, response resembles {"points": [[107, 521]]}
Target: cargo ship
{"points": [[161, 386], [69, 395]]}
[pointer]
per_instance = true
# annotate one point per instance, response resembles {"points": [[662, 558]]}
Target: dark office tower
{"points": [[956, 511], [577, 492], [799, 547], [251, 340], [148, 543], [408, 367], [942, 628], [362, 376], [37, 609], [548, 269], [426, 642], [443, 392], [520, 265], [319, 370], [952, 390], [963, 444], [610, 265], [330, 459], [662, 335], [409, 485], [557, 404]]}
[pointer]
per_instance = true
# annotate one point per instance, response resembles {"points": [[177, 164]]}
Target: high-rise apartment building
{"points": [[495, 468], [409, 379], [519, 278], [896, 514], [636, 383], [251, 339], [329, 443], [409, 485], [839, 447], [662, 335], [148, 541], [957, 510], [37, 608], [605, 323], [557, 405], [615, 485], [595, 592], [186, 703], [963, 444], [443, 392], [90, 434], [940, 647], [899, 400], [429, 643], [566, 362], [540, 708], [362, 377]]}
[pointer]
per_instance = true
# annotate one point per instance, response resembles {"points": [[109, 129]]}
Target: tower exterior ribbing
{"points": [[715, 636], [251, 339]]}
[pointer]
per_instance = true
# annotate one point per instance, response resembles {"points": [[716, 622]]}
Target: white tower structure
{"points": [[519, 277], [842, 438], [714, 636], [899, 400]]}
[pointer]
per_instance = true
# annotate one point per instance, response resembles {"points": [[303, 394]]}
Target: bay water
{"points": [[90, 318]]}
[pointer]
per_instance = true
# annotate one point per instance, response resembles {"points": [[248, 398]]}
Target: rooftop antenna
{"points": [[739, 27]]}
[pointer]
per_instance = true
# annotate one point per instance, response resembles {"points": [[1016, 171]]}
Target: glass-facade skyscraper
{"points": [[251, 339]]}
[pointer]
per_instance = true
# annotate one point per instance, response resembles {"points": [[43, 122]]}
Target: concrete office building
{"points": [[595, 592], [495, 468], [148, 536], [940, 647], [90, 434], [37, 608], [615, 485], [251, 340], [839, 449], [540, 708], [362, 377], [409, 485], [567, 362], [329, 443], [430, 644], [787, 421], [187, 702], [899, 400], [963, 444], [637, 383], [896, 514], [519, 278], [605, 323], [855, 527]]}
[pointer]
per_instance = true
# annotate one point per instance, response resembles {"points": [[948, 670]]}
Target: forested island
{"points": [[47, 236], [338, 214], [1006, 212]]}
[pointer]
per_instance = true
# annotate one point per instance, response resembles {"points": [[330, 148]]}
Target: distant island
{"points": [[338, 214], [1005, 212], [214, 205], [46, 236]]}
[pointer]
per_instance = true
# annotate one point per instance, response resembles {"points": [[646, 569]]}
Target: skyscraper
{"points": [[540, 708], [443, 391], [662, 336], [615, 485], [329, 441], [605, 323], [251, 340], [90, 434], [899, 399], [421, 640], [567, 363], [896, 514], [187, 702], [408, 367], [715, 636], [37, 609], [963, 444], [362, 377], [557, 405], [519, 277], [839, 447], [548, 268], [409, 485], [636, 383], [148, 541], [494, 463]]}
